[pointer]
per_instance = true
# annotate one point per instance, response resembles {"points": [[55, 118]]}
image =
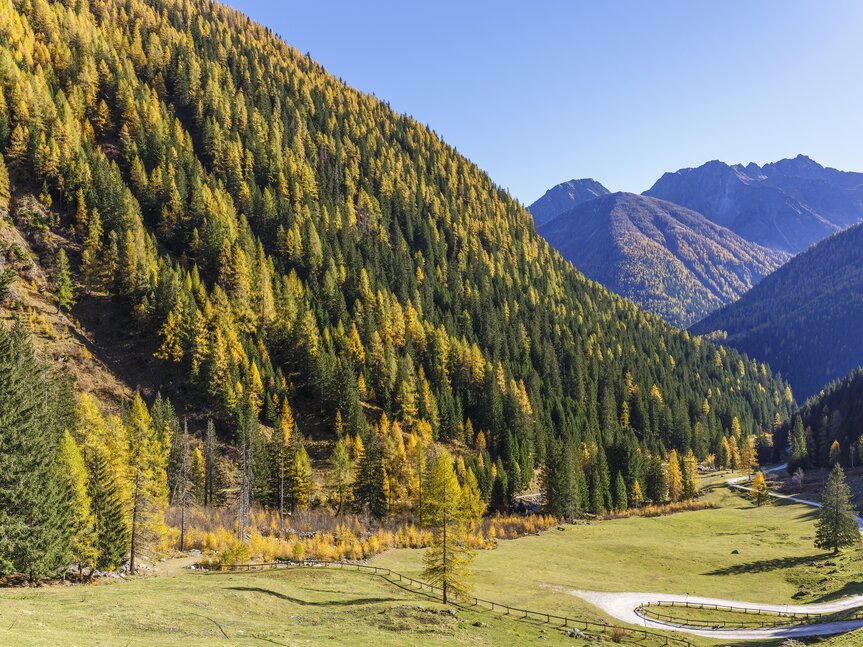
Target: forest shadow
{"points": [[764, 565], [306, 603], [849, 588]]}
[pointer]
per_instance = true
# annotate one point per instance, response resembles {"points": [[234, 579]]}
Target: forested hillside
{"points": [[669, 260], [804, 319], [293, 244], [829, 427]]}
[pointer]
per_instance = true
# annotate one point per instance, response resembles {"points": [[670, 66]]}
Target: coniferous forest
{"points": [[295, 246]]}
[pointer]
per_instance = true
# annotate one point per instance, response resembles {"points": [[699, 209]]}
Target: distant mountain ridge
{"points": [[786, 205], [670, 260], [805, 318], [563, 197]]}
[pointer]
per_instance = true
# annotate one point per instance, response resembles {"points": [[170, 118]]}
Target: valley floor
{"points": [[285, 607], [735, 551]]}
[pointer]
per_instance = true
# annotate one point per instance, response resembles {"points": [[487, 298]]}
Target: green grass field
{"points": [[690, 552], [285, 607]]}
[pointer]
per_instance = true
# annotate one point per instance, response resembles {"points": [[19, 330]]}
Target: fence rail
{"points": [[588, 626], [792, 617]]}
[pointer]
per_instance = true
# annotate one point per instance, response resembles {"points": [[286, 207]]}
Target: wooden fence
{"points": [[587, 626], [790, 617]]}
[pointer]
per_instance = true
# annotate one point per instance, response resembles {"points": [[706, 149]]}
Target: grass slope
{"points": [[287, 607], [689, 552]]}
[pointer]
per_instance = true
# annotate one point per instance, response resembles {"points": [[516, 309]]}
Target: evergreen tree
{"points": [[499, 498], [837, 523], [558, 483], [112, 534], [799, 457], [342, 471], [369, 486], [675, 477], [657, 483], [621, 500], [63, 281], [35, 408]]}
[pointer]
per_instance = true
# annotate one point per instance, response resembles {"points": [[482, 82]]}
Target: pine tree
{"points": [[837, 524], [369, 485], [691, 479], [558, 482], [447, 561], [342, 471], [759, 488], [799, 457], [112, 534], [35, 408], [63, 281], [657, 482], [210, 464], [621, 500], [4, 188]]}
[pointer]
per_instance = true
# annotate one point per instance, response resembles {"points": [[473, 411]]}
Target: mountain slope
{"points": [[668, 259], [804, 319], [787, 205], [279, 237], [563, 197]]}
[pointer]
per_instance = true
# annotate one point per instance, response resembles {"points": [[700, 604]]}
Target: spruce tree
{"points": [[35, 408], [621, 500], [837, 524], [63, 281], [112, 534], [799, 457]]}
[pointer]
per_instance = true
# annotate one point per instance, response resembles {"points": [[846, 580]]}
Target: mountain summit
{"points": [[670, 260], [563, 197], [787, 205]]}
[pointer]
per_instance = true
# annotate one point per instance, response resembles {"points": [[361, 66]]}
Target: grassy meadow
{"points": [[689, 552]]}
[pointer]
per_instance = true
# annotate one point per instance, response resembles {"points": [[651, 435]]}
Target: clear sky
{"points": [[540, 92]]}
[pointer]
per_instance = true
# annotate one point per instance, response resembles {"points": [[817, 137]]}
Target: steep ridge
{"points": [[787, 205], [668, 259], [804, 319]]}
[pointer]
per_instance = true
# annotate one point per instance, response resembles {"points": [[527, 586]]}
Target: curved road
{"points": [[623, 606]]}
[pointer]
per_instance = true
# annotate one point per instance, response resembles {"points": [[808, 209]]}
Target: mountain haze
{"points": [[670, 260], [563, 197], [787, 205], [805, 318]]}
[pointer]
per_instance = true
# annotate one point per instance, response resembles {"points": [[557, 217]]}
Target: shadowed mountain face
{"points": [[787, 205], [563, 197], [670, 260], [804, 319]]}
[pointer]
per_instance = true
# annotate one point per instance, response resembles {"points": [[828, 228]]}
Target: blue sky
{"points": [[540, 92]]}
